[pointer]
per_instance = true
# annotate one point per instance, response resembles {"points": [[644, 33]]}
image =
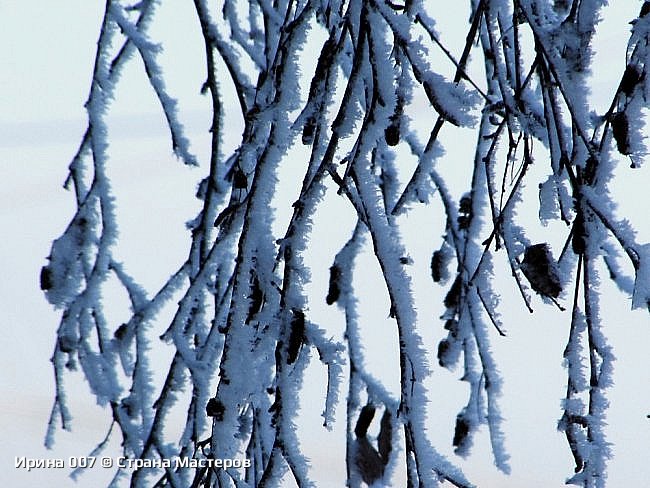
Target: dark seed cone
{"points": [[334, 290], [239, 180], [452, 299], [385, 438], [46, 278], [215, 409], [461, 431], [368, 461], [631, 78], [443, 350], [437, 264], [392, 134], [363, 422], [621, 132], [296, 336], [540, 269], [465, 206], [308, 132]]}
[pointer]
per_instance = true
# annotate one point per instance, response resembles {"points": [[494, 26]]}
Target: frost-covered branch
{"points": [[327, 93]]}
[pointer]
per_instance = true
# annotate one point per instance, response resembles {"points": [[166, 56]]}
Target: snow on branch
{"points": [[341, 141]]}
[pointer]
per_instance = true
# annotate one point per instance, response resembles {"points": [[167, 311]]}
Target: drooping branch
{"points": [[244, 327]]}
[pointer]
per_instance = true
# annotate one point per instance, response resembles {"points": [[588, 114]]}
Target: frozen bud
{"points": [[120, 332], [631, 78], [296, 335], [465, 211], [308, 131], [436, 266], [452, 299], [443, 349], [239, 179], [46, 278], [541, 270], [621, 132], [363, 422], [461, 432], [463, 222], [392, 134], [215, 408], [449, 350], [465, 206], [385, 438], [63, 276], [368, 461], [334, 290], [67, 343], [452, 326], [439, 262]]}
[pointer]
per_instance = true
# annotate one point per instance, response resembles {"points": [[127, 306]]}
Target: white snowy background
{"points": [[46, 56]]}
